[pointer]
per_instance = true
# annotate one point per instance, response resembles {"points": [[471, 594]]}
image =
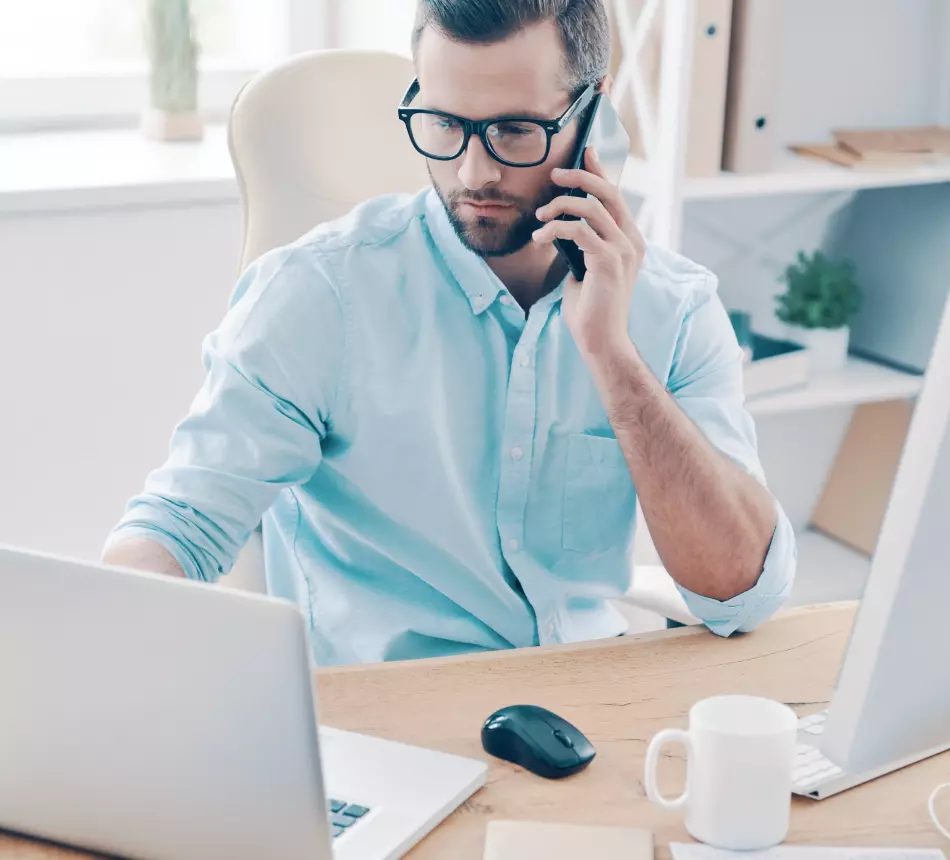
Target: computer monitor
{"points": [[892, 702]]}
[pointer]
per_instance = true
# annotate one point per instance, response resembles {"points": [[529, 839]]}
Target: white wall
{"points": [[858, 63], [100, 330], [383, 25]]}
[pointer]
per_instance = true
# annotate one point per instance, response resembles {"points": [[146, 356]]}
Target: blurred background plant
{"points": [[173, 55], [821, 293]]}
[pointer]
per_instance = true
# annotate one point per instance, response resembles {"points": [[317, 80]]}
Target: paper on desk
{"points": [[527, 840], [692, 851]]}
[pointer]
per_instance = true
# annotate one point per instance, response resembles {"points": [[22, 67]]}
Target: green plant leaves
{"points": [[821, 293], [173, 51]]}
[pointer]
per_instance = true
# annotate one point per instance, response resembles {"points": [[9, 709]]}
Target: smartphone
{"points": [[603, 129]]}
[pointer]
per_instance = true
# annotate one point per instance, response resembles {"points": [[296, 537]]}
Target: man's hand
{"points": [[597, 310]]}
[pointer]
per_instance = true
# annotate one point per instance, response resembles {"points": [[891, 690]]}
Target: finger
{"points": [[597, 185], [578, 232], [589, 208]]}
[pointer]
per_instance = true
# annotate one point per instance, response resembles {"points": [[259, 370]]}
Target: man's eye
{"points": [[514, 129], [444, 123]]}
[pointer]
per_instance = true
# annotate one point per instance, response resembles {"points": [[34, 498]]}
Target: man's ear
{"points": [[606, 85]]}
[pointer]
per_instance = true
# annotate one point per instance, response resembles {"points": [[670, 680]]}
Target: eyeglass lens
{"points": [[443, 137]]}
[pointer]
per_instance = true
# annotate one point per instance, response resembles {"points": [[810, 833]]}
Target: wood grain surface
{"points": [[619, 692]]}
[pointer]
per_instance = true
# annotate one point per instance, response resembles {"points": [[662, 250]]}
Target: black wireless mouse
{"points": [[538, 740]]}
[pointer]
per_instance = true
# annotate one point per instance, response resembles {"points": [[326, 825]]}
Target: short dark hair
{"points": [[583, 25]]}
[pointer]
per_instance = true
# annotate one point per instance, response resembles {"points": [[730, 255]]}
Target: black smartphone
{"points": [[603, 129]]}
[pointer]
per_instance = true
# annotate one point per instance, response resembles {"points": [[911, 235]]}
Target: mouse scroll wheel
{"points": [[564, 739]]}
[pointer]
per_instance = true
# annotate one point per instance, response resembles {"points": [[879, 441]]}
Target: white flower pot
{"points": [[827, 347], [172, 125]]}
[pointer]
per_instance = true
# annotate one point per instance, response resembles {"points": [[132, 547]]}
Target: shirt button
{"points": [[549, 629], [525, 360], [516, 453], [513, 545], [507, 300]]}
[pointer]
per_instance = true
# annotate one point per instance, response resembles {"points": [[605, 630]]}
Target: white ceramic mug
{"points": [[740, 754]]}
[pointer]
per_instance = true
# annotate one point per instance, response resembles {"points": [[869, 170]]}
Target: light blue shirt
{"points": [[434, 467]]}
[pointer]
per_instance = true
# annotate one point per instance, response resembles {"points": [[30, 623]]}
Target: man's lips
{"points": [[486, 206]]}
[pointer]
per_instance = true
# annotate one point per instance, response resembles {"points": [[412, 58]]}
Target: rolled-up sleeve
{"points": [[706, 380], [256, 426]]}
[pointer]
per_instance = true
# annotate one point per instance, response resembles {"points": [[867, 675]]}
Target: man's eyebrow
{"points": [[527, 113]]}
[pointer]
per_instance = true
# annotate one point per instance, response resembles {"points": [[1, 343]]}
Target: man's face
{"points": [[492, 205]]}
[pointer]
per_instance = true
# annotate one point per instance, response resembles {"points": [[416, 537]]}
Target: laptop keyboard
{"points": [[344, 815], [811, 767]]}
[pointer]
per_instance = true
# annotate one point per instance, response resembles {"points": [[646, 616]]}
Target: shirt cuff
{"points": [[751, 608]]}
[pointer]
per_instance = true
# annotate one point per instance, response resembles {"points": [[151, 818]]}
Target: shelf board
{"points": [[792, 175], [860, 382], [827, 571]]}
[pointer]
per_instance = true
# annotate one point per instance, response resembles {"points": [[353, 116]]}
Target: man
{"points": [[446, 438]]}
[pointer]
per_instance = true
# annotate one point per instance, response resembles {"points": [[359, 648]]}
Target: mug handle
{"points": [[649, 768]]}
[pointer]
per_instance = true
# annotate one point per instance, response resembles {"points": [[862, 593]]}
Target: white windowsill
{"points": [[68, 170]]}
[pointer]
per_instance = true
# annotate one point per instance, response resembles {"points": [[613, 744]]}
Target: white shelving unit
{"points": [[860, 382], [791, 175], [828, 570]]}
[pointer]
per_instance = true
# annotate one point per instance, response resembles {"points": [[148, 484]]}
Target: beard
{"points": [[491, 236]]}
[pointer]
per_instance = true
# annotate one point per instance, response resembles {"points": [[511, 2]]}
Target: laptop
{"points": [[158, 719], [891, 705]]}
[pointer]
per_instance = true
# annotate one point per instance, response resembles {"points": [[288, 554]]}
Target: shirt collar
{"points": [[479, 283]]}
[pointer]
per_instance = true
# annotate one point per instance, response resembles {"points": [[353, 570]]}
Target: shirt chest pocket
{"points": [[599, 498]]}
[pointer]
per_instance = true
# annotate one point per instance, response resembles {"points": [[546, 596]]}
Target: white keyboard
{"points": [[812, 769]]}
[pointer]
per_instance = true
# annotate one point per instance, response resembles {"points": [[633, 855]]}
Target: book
{"points": [[930, 139], [881, 148], [775, 365], [520, 840]]}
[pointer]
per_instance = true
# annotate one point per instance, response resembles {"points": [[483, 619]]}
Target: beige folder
{"points": [[524, 840], [754, 66], [707, 108]]}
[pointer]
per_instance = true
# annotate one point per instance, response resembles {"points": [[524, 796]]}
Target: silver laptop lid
{"points": [[155, 718]]}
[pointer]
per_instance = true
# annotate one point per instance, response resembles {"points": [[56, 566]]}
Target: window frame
{"points": [[118, 97]]}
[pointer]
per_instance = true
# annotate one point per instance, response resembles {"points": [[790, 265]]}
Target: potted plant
{"points": [[173, 83], [820, 299]]}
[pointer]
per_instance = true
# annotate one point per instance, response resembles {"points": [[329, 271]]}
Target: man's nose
{"points": [[477, 168]]}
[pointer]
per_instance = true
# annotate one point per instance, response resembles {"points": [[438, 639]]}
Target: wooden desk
{"points": [[619, 692]]}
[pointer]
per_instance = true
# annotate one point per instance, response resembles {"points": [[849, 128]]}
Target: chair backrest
{"points": [[315, 136]]}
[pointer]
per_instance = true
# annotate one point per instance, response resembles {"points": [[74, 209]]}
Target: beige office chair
{"points": [[309, 140], [316, 135]]}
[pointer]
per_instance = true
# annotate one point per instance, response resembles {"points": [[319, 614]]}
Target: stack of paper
{"points": [[526, 840], [691, 851]]}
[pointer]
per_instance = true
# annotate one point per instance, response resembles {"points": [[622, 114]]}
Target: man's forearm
{"points": [[711, 522], [142, 554]]}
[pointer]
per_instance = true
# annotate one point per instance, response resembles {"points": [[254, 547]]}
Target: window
{"points": [[384, 25], [72, 61], [68, 37]]}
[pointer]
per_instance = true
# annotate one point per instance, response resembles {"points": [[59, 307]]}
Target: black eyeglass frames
{"points": [[515, 141]]}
